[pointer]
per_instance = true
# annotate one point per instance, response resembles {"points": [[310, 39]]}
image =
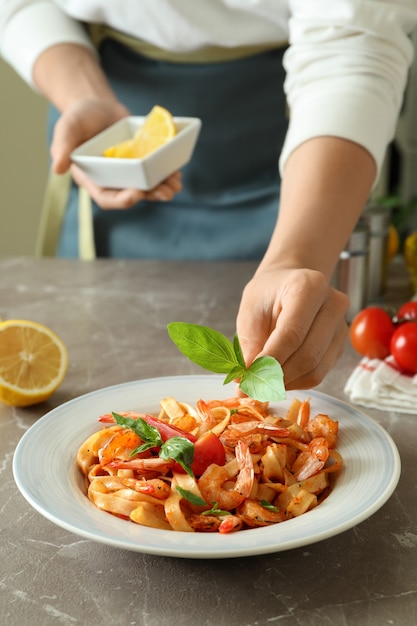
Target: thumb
{"points": [[64, 141], [251, 348], [251, 334]]}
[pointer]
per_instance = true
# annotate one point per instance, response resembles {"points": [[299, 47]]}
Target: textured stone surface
{"points": [[112, 316]]}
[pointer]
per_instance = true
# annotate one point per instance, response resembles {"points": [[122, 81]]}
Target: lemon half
{"points": [[33, 362]]}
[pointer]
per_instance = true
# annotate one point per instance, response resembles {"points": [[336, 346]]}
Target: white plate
{"points": [[143, 173], [46, 474]]}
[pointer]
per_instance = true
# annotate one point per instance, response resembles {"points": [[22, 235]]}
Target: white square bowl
{"points": [[144, 173]]}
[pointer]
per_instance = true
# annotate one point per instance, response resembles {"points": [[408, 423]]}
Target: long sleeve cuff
{"points": [[33, 30], [313, 117]]}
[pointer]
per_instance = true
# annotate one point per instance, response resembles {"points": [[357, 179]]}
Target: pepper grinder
{"points": [[351, 272]]}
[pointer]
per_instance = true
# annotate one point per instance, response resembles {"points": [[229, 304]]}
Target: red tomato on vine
{"points": [[371, 331], [407, 311], [403, 346]]}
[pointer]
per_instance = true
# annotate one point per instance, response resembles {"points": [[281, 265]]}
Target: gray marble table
{"points": [[112, 316]]}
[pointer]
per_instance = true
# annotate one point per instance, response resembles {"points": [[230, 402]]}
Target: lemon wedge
{"points": [[158, 128]]}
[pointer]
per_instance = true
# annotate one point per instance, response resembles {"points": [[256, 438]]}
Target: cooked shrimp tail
{"points": [[212, 482]]}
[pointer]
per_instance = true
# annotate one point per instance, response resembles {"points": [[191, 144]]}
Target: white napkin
{"points": [[381, 385]]}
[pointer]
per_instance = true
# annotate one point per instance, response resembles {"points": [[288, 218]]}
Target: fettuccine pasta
{"points": [[221, 466]]}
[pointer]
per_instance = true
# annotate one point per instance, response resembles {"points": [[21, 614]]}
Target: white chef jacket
{"points": [[346, 65]]}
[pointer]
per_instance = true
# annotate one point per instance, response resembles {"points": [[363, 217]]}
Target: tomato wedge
{"points": [[207, 450]]}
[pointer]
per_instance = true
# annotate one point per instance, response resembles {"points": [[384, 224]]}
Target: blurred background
{"points": [[24, 164]]}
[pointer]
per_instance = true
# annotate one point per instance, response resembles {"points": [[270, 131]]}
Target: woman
{"points": [[345, 67]]}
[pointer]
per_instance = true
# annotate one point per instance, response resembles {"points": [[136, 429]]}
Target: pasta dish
{"points": [[221, 466]]}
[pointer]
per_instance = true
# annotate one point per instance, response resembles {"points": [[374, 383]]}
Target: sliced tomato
{"points": [[208, 449]]}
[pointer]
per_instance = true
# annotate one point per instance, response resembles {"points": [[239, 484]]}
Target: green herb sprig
{"points": [[263, 380], [191, 497], [180, 449], [268, 505]]}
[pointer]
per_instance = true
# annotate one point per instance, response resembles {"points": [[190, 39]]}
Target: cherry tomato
{"points": [[407, 311], [371, 331], [208, 449], [404, 346]]}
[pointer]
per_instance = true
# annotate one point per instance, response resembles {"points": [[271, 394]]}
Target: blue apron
{"points": [[228, 207]]}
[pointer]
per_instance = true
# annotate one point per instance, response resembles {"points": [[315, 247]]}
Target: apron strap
{"points": [[86, 244], [52, 215]]}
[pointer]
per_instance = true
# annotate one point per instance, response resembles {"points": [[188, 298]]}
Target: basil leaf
{"points": [[235, 374], [264, 380], [180, 450], [238, 351], [149, 434], [204, 346], [215, 510], [268, 505], [191, 497]]}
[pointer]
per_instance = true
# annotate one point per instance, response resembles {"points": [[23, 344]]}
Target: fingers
{"points": [[167, 189], [82, 120], [295, 316], [107, 198], [126, 198], [322, 347], [64, 141], [305, 301]]}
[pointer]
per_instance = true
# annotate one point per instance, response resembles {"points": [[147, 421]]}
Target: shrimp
{"points": [[253, 514], [240, 403], [212, 480], [231, 437], [314, 460], [145, 467], [323, 426], [208, 421], [255, 426], [303, 414], [155, 487], [107, 418], [229, 524], [203, 523], [119, 446], [254, 433]]}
